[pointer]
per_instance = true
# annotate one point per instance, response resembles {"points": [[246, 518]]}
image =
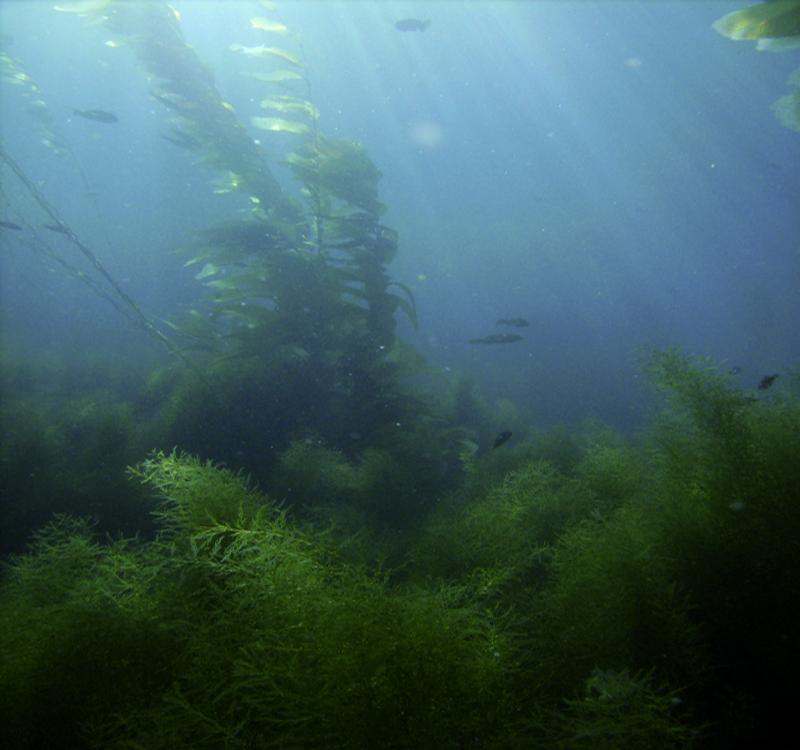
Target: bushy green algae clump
{"points": [[232, 629], [596, 593], [669, 564]]}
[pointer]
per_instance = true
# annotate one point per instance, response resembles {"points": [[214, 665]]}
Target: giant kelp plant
{"points": [[288, 275], [293, 339], [300, 314]]}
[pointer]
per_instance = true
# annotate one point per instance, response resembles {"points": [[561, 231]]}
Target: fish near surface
{"points": [[411, 24], [98, 115], [497, 338]]}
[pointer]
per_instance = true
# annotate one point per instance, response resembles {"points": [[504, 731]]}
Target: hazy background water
{"points": [[611, 171]]}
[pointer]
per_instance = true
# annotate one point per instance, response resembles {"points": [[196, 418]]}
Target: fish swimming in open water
{"points": [[98, 115], [516, 322], [10, 225], [497, 338], [55, 228], [411, 24]]}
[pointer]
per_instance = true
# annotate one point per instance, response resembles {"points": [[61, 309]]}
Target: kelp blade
{"points": [[766, 20]]}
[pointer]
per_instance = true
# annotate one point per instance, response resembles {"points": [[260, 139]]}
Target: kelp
{"points": [[787, 108], [264, 24], [103, 283], [776, 27], [202, 121], [306, 274], [280, 125], [12, 73], [780, 18]]}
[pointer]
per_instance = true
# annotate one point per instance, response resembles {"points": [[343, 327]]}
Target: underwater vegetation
{"points": [[296, 307], [599, 592], [775, 25], [298, 295], [43, 121], [771, 20], [372, 573], [67, 435], [234, 628], [292, 340]]}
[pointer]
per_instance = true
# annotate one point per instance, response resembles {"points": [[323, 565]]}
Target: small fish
{"points": [[497, 338], [503, 437], [766, 381], [98, 115], [411, 24], [10, 225], [735, 370], [182, 140], [55, 228], [516, 322]]}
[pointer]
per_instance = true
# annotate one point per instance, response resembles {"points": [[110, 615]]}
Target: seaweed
{"points": [[775, 25], [233, 628]]}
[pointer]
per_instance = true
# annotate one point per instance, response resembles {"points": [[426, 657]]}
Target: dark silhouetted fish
{"points": [[766, 381], [516, 322], [55, 228], [411, 24], [735, 370], [98, 115], [182, 140], [497, 338], [10, 225], [503, 437]]}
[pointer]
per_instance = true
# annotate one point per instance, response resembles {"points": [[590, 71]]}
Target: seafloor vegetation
{"points": [[576, 590], [366, 572]]}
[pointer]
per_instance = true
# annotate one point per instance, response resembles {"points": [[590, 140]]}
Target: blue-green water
{"points": [[409, 375], [613, 172]]}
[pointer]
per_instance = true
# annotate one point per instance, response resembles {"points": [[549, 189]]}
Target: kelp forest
{"points": [[279, 527]]}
